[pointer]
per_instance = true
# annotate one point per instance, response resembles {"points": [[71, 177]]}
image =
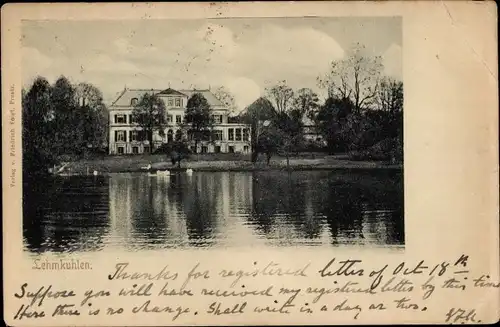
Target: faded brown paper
{"points": [[450, 175]]}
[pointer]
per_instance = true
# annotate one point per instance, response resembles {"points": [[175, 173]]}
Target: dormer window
{"points": [[134, 101], [170, 102], [177, 102]]}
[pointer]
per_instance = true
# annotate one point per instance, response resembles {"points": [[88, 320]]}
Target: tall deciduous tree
{"points": [[68, 122], [390, 101], [333, 122], [356, 78], [270, 141], [290, 127], [225, 96], [37, 128], [56, 127], [255, 115], [390, 95], [306, 101], [281, 95], [199, 120], [150, 113], [90, 100]]}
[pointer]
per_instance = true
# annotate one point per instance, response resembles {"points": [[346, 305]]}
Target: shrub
{"points": [[385, 150]]}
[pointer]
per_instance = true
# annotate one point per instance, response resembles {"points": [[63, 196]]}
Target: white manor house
{"points": [[125, 136]]}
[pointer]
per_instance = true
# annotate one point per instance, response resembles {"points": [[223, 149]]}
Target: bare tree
{"points": [[356, 78], [224, 95], [281, 95], [390, 95]]}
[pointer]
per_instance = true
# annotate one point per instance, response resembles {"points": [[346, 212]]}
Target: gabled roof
{"points": [[125, 98], [170, 91], [261, 108], [212, 100]]}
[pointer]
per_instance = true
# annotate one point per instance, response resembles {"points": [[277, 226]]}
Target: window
{"points": [[134, 136], [170, 136], [135, 150], [134, 101], [121, 150], [245, 148], [177, 102], [217, 149], [204, 149], [231, 134], [217, 135], [238, 134], [178, 119], [141, 135], [231, 149], [170, 102], [120, 136], [217, 119], [169, 118], [120, 119], [246, 136], [146, 149]]}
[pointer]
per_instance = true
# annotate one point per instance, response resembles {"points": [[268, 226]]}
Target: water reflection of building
{"points": [[120, 201], [141, 213], [247, 209], [236, 198], [164, 211]]}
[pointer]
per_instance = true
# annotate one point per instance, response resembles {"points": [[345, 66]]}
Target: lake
{"points": [[215, 209]]}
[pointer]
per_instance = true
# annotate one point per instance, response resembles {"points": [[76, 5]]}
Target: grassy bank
{"points": [[219, 162]]}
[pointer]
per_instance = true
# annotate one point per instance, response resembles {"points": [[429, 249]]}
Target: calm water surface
{"points": [[208, 209]]}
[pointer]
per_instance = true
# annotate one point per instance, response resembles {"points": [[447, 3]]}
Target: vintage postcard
{"points": [[258, 163]]}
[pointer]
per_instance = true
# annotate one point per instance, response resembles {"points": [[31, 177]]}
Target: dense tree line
{"points": [[61, 121], [361, 116]]}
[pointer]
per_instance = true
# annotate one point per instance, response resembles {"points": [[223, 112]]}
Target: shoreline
{"points": [[115, 165]]}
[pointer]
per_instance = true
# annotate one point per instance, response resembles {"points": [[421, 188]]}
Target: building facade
{"points": [[126, 137]]}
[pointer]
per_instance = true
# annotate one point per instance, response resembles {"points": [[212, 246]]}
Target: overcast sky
{"points": [[244, 55]]}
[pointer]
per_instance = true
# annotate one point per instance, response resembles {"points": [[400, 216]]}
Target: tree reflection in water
{"points": [[281, 200], [65, 214], [355, 207], [199, 203], [137, 211]]}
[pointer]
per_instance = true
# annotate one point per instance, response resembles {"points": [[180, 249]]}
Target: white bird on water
{"points": [[148, 167]]}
